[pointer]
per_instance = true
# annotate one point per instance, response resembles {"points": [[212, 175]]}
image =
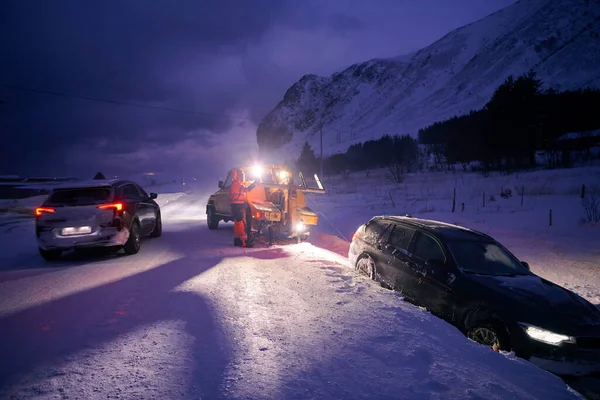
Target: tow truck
{"points": [[277, 205]]}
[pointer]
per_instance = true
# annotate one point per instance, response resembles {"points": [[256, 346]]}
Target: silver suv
{"points": [[100, 213]]}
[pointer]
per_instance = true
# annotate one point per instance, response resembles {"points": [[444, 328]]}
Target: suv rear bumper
{"points": [[99, 237]]}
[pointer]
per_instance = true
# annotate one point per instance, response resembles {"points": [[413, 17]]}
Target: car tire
{"points": [[132, 246], [367, 265], [490, 333], [50, 255], [211, 219], [157, 231]]}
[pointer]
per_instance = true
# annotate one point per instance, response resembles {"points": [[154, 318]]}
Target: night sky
{"points": [[224, 64]]}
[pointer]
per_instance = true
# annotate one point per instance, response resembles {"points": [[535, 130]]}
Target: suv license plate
{"points": [[79, 230]]}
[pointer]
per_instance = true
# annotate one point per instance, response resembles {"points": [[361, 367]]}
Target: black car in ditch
{"points": [[473, 282]]}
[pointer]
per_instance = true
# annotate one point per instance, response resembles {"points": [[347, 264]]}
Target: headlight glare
{"points": [[545, 336], [257, 171]]}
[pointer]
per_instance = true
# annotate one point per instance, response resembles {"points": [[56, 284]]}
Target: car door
{"points": [[401, 277], [222, 202], [135, 206], [435, 275], [148, 208]]}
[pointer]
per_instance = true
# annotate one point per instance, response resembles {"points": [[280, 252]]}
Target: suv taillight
{"points": [[115, 206], [41, 210]]}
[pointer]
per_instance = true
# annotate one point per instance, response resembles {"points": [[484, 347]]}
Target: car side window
{"points": [[401, 236], [227, 181], [427, 248], [375, 231], [130, 192], [142, 192]]}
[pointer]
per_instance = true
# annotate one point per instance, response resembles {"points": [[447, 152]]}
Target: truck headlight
{"points": [[300, 227], [257, 171], [546, 336], [283, 174]]}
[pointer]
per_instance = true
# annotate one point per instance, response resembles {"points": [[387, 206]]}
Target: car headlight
{"points": [[546, 336]]}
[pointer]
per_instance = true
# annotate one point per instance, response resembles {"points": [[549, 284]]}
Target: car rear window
{"points": [[80, 196]]}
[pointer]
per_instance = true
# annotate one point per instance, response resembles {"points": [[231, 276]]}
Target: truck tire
{"points": [[211, 219]]}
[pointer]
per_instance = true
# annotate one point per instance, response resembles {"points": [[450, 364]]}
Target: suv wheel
{"points": [[50, 255], [158, 227], [211, 219], [132, 246]]}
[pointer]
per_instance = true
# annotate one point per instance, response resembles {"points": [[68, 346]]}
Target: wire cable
{"points": [[123, 103]]}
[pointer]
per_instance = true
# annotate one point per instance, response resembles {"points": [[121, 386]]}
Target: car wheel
{"points": [[211, 219], [492, 334], [367, 266], [132, 246], [157, 231], [50, 255]]}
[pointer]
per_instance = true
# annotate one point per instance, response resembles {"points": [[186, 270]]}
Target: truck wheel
{"points": [[211, 219]]}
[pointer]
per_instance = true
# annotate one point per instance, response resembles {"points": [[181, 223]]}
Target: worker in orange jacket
{"points": [[239, 206]]}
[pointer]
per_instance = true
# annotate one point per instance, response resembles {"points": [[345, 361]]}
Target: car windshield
{"points": [[486, 258], [80, 196]]}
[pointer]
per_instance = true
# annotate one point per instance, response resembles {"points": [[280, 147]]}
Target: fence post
{"points": [[392, 199], [550, 218], [483, 199], [583, 191], [454, 200], [463, 207], [522, 193]]}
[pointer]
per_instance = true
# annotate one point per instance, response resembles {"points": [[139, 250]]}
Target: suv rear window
{"points": [[80, 196]]}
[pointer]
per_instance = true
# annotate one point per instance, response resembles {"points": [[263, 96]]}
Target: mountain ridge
{"points": [[559, 39]]}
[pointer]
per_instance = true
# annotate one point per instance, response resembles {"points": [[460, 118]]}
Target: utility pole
{"points": [[321, 131]]}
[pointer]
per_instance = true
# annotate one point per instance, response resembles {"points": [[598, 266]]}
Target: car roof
{"points": [[92, 183], [442, 230]]}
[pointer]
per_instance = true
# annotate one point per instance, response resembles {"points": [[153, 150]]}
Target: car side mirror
{"points": [[220, 184], [153, 195], [526, 265]]}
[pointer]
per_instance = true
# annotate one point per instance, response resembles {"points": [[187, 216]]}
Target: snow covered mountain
{"points": [[559, 39]]}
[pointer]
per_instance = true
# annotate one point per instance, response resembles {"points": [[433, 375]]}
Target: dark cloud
{"points": [[217, 58]]}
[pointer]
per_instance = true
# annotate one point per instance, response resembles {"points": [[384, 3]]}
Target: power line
{"points": [[122, 103]]}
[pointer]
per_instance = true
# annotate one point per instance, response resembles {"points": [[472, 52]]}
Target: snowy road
{"points": [[192, 317]]}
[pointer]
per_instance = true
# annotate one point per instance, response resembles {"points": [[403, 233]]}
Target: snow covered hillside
{"points": [[191, 316], [560, 39]]}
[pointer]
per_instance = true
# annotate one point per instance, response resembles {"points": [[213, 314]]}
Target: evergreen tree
{"points": [[307, 162]]}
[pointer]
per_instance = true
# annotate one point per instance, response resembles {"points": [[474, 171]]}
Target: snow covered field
{"points": [[191, 316]]}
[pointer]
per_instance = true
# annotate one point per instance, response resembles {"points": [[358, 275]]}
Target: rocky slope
{"points": [[559, 39]]}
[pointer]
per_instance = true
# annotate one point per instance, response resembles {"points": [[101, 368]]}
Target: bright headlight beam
{"points": [[299, 227], [283, 174], [545, 336], [257, 170]]}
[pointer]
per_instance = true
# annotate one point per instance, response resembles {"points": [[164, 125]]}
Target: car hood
{"points": [[537, 301]]}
